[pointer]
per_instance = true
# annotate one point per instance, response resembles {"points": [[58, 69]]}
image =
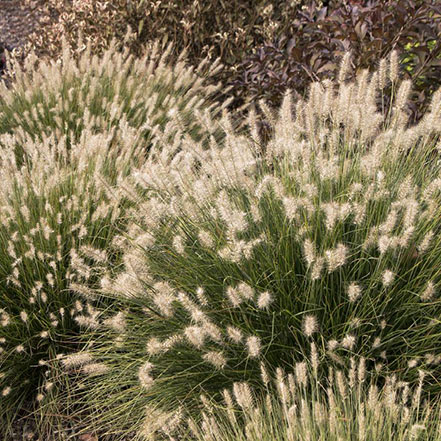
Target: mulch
{"points": [[18, 20]]}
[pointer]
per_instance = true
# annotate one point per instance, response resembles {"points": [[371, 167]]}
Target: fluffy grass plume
{"points": [[71, 133], [241, 252]]}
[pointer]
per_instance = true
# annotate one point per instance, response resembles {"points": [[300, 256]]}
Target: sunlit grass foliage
{"points": [[349, 404], [242, 252], [71, 132], [94, 93]]}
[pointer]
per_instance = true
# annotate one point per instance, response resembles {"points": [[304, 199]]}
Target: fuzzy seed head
{"points": [[429, 292], [344, 67], [393, 66], [233, 296], [144, 376], [264, 374], [337, 257], [195, 335], [332, 345], [309, 252], [243, 395], [234, 334], [245, 291], [206, 239], [354, 292], [164, 298], [264, 300], [310, 325], [76, 360], [388, 278], [301, 373], [253, 346], [117, 322], [154, 346], [382, 72], [95, 369], [348, 342], [215, 358], [6, 391], [202, 299], [178, 244]]}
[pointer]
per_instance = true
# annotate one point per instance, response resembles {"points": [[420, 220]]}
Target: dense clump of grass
{"points": [[71, 132], [58, 217], [97, 93], [240, 253], [348, 405]]}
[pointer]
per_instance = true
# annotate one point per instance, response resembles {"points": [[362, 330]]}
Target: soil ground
{"points": [[17, 21]]}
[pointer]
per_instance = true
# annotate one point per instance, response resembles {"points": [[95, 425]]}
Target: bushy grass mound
{"points": [[58, 215], [349, 404], [71, 133], [241, 253], [298, 407], [96, 93]]}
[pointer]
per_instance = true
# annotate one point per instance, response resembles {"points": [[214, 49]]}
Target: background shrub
{"points": [[311, 48], [2, 58], [241, 254], [70, 134], [265, 47], [188, 24]]}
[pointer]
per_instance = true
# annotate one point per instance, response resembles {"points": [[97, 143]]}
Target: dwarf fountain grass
{"points": [[340, 408], [58, 217], [94, 93], [295, 404], [327, 221], [63, 168]]}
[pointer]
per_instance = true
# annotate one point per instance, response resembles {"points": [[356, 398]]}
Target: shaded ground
{"points": [[18, 19]]}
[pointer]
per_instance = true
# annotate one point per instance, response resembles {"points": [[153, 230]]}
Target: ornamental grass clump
{"points": [[242, 253], [97, 92], [349, 404], [59, 214], [71, 133]]}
